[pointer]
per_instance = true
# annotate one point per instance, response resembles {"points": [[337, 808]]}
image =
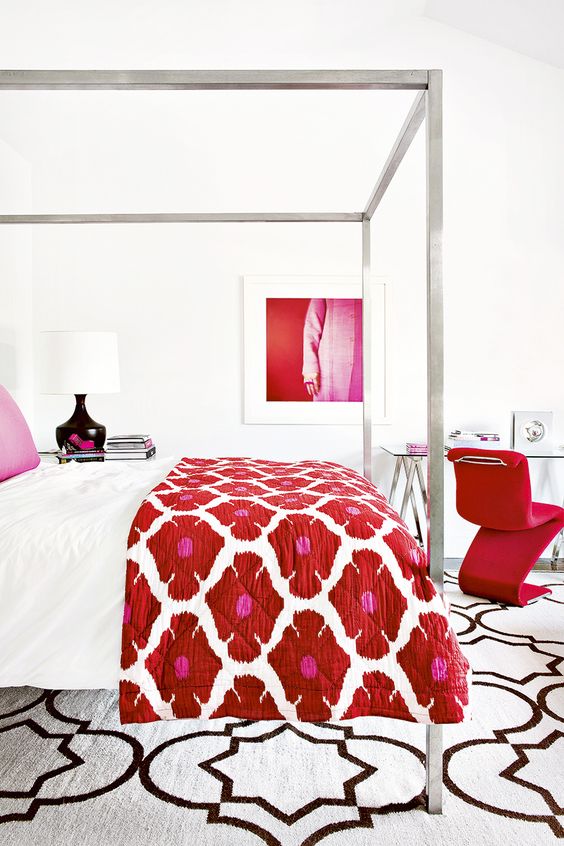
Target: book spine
{"points": [[129, 445], [82, 459], [83, 454], [139, 439], [136, 455]]}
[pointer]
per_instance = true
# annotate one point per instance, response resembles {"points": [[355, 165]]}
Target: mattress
{"points": [[63, 547]]}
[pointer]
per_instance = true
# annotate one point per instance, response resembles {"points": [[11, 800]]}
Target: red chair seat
{"points": [[543, 512]]}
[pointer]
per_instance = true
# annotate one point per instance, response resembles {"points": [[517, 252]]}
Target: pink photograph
{"points": [[313, 349]]}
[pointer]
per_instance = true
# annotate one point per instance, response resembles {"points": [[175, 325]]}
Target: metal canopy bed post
{"points": [[427, 105]]}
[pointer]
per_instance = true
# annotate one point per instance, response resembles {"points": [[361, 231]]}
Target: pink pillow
{"points": [[17, 450]]}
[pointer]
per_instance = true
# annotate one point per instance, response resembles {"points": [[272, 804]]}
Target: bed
{"points": [[253, 589], [426, 106]]}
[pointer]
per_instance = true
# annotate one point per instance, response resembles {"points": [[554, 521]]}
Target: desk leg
{"points": [[395, 480], [558, 540], [415, 509], [556, 550], [422, 487], [409, 467]]}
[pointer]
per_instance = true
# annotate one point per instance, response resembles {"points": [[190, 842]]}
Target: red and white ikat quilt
{"points": [[266, 590]]}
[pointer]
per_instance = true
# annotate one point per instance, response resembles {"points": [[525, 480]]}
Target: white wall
{"points": [[16, 314], [174, 294]]}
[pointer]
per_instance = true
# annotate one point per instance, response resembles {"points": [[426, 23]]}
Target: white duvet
{"points": [[63, 546]]}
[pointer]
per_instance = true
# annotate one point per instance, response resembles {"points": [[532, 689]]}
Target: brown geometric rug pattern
{"points": [[71, 774]]}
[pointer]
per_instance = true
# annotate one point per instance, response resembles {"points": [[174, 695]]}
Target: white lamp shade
{"points": [[79, 363]]}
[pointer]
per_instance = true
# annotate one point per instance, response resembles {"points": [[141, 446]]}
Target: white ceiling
{"points": [[208, 33], [532, 27]]}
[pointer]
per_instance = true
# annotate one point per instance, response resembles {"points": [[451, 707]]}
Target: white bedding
{"points": [[63, 543]]}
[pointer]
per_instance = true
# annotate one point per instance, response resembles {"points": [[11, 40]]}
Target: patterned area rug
{"points": [[70, 774]]}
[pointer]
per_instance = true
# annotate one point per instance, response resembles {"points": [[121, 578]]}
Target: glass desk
{"points": [[412, 466]]}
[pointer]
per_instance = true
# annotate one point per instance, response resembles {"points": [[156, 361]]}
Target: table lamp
{"points": [[79, 363]]}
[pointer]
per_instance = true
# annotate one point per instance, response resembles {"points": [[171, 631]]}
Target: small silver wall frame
{"points": [[427, 106]]}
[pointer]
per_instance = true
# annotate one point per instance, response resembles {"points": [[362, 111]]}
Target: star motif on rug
{"points": [[520, 663], [41, 756], [537, 765], [275, 772]]}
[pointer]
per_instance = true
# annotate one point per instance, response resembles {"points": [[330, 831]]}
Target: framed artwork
{"points": [[532, 432], [303, 349]]}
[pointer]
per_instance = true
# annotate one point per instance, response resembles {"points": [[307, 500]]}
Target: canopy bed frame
{"points": [[427, 106]]}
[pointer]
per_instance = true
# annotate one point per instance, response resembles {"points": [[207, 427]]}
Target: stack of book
{"points": [[130, 448], [480, 440], [73, 452], [416, 448]]}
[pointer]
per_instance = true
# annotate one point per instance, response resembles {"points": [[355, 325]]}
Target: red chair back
{"points": [[493, 487]]}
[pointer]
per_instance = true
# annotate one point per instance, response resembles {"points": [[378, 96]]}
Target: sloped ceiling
{"points": [[532, 27]]}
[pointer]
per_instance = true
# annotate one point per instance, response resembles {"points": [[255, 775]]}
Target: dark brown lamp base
{"points": [[81, 424]]}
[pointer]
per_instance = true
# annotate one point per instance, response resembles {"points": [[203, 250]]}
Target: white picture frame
{"points": [[257, 408]]}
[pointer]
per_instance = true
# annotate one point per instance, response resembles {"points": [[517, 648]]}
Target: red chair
{"points": [[493, 490]]}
